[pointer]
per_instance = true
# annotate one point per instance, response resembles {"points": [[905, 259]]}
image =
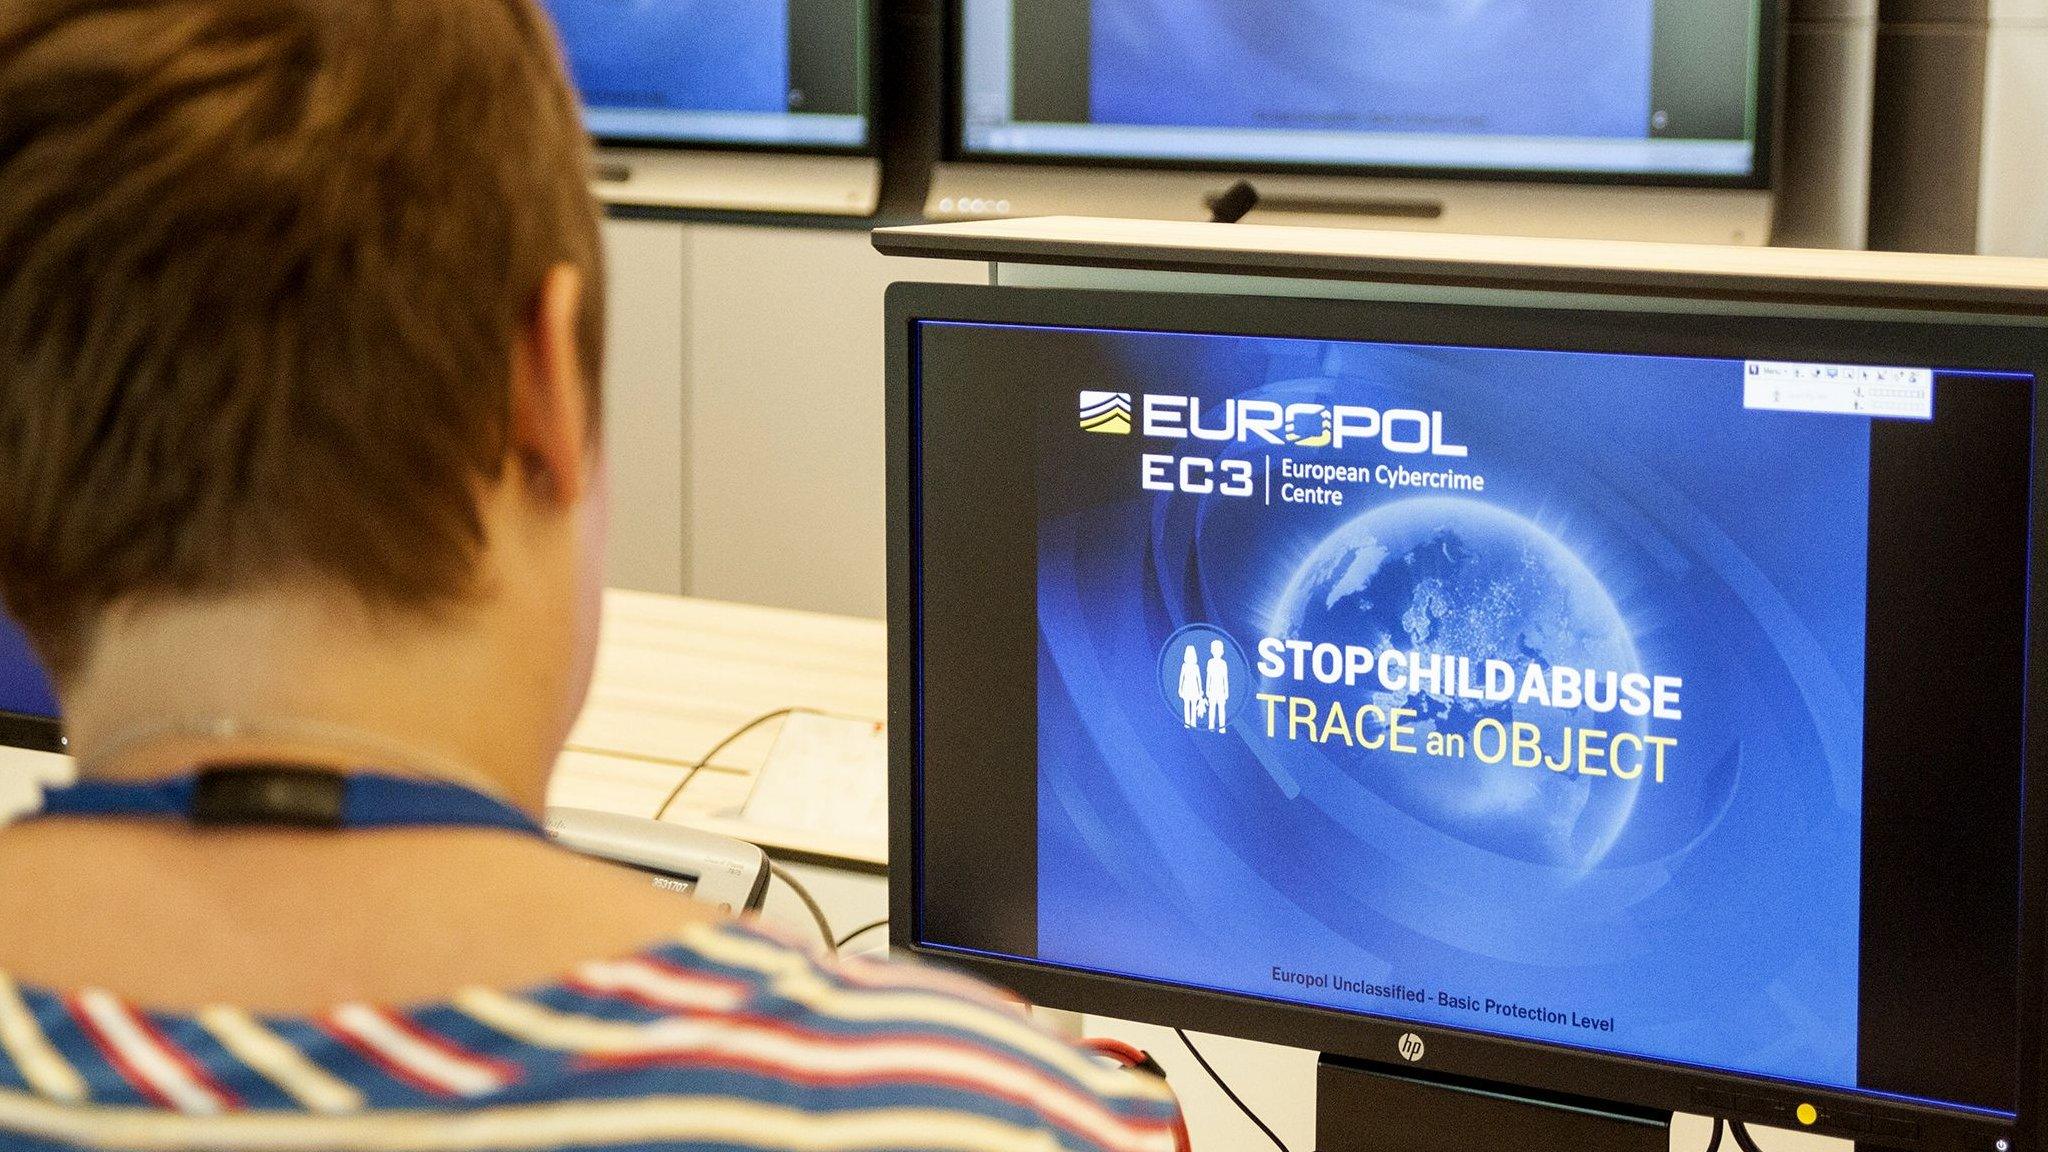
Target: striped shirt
{"points": [[725, 1038]]}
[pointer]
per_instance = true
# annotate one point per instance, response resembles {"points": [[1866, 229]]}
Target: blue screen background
{"points": [[693, 55], [23, 688], [1634, 515], [1451, 67]]}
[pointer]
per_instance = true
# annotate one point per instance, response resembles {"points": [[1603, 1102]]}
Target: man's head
{"points": [[288, 289]]}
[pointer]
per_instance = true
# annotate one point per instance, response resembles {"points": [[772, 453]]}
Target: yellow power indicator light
{"points": [[1807, 1114]]}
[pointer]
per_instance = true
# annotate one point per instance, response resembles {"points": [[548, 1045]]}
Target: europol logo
{"points": [[1318, 434], [1107, 412]]}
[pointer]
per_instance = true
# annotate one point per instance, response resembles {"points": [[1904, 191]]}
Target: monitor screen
{"points": [[764, 73], [1640, 686], [24, 690], [1634, 90]]}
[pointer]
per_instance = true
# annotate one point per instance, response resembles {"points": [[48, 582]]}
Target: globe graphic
{"points": [[1458, 577]]}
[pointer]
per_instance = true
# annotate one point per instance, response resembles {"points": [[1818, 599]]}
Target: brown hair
{"points": [[263, 265]]}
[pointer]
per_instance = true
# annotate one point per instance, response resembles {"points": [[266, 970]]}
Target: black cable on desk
{"points": [[859, 932], [1743, 1139], [1221, 1083], [735, 737], [737, 734]]}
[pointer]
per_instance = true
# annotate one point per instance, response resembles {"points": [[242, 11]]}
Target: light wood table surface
{"points": [[676, 676]]}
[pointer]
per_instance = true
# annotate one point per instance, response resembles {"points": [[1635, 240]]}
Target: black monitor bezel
{"points": [[1645, 1083], [1770, 66], [871, 146], [34, 733]]}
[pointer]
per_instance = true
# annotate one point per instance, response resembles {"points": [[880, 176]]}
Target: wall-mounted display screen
{"points": [[763, 73], [1646, 90]]}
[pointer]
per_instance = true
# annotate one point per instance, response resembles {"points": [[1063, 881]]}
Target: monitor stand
{"points": [[1364, 1107]]}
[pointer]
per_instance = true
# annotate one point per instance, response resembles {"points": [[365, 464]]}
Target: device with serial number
{"points": [[729, 875]]}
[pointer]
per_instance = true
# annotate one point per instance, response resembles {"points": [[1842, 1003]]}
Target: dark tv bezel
{"points": [[871, 147], [1770, 70], [1543, 1067], [34, 733]]}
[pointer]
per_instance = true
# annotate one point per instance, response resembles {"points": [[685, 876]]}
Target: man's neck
{"points": [[312, 680]]}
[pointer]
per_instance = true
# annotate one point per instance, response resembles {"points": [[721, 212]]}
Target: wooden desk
{"points": [[676, 676]]}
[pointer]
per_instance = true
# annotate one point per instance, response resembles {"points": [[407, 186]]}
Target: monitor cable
{"points": [[735, 737], [810, 903], [859, 932], [1221, 1083], [1743, 1140], [738, 734]]}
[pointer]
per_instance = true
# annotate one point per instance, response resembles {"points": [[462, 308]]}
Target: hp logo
{"points": [[1410, 1047]]}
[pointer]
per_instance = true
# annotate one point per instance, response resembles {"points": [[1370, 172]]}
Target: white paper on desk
{"points": [[827, 776]]}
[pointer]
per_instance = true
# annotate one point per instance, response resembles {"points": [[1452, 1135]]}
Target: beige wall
{"points": [[1958, 164], [644, 405], [745, 385], [2013, 201]]}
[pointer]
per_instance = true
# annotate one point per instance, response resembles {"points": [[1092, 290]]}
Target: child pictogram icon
{"points": [[1200, 668], [1191, 689], [1216, 688]]}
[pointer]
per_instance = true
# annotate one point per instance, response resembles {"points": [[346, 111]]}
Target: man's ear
{"points": [[550, 410]]}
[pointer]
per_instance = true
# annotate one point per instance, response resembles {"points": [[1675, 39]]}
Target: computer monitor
{"points": [[1625, 707], [1624, 119], [28, 707], [1630, 90], [764, 73], [742, 105]]}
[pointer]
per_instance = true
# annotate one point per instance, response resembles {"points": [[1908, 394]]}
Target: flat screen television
{"points": [[1627, 707], [28, 707], [1618, 91], [787, 75]]}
